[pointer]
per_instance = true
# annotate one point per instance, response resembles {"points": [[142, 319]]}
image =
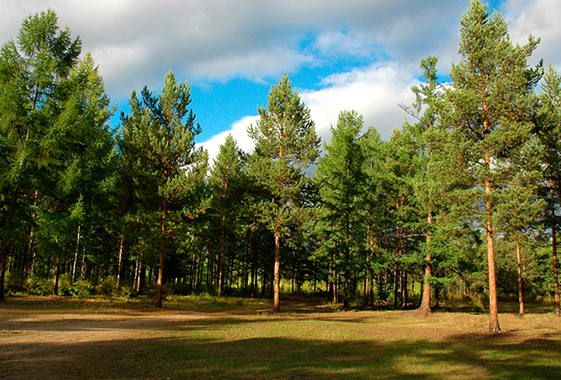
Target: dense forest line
{"points": [[462, 203]]}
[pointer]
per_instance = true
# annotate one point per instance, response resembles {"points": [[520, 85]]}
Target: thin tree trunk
{"points": [[276, 275], [396, 267], [335, 287], [55, 279], [293, 271], [120, 261], [3, 255], [425, 303], [221, 258], [493, 303], [520, 292], [404, 289], [554, 254], [160, 281], [137, 274], [32, 252], [76, 254]]}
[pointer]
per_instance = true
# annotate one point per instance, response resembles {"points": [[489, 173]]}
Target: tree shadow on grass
{"points": [[460, 357]]}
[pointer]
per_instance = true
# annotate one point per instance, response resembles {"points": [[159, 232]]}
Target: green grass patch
{"points": [[207, 337]]}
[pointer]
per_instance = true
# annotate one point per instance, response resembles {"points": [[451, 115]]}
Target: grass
{"points": [[209, 337]]}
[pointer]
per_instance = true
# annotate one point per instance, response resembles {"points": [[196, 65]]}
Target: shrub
{"points": [[128, 291], [108, 287], [38, 286], [80, 288], [15, 282]]}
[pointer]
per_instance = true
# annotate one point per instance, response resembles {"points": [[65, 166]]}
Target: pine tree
{"points": [[58, 147], [489, 109], [549, 132], [226, 187], [162, 130], [342, 184], [285, 144], [374, 213]]}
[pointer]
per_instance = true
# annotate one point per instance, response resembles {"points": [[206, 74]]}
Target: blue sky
{"points": [[354, 54]]}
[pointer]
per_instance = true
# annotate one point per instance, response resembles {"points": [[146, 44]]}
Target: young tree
{"points": [[426, 187], [342, 184], [375, 206], [285, 144], [55, 137], [162, 130], [226, 187], [489, 109], [549, 131]]}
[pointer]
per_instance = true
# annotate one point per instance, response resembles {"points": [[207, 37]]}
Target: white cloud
{"points": [[541, 19], [137, 42], [238, 131], [374, 92]]}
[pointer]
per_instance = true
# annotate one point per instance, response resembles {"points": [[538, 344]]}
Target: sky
{"points": [[358, 55]]}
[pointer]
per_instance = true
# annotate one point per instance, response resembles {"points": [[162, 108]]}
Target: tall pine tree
{"points": [[162, 132], [549, 131], [285, 144], [342, 184], [489, 109]]}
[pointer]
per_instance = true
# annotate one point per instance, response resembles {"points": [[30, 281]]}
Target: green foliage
{"points": [[483, 158], [342, 182], [80, 288], [15, 282], [107, 287], [38, 286]]}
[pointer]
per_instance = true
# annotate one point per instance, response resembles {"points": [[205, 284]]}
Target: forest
{"points": [[463, 203]]}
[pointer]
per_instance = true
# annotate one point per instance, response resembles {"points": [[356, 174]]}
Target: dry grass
{"points": [[220, 338]]}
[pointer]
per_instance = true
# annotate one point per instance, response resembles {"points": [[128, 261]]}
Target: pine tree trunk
{"points": [[493, 303], [554, 254], [276, 275], [160, 281], [221, 258], [293, 272], [55, 279], [520, 292], [120, 261], [76, 255], [404, 290], [3, 255], [425, 303]]}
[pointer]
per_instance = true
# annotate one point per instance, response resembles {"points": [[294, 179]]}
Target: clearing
{"points": [[202, 338]]}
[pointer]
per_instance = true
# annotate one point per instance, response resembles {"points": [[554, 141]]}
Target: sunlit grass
{"points": [[224, 338]]}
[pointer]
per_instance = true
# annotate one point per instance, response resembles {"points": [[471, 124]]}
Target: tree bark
{"points": [[276, 275], [520, 291], [160, 281], [3, 255], [493, 303], [554, 255], [55, 279], [427, 290], [76, 256], [120, 261]]}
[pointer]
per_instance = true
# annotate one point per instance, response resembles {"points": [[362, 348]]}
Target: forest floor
{"points": [[206, 338]]}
